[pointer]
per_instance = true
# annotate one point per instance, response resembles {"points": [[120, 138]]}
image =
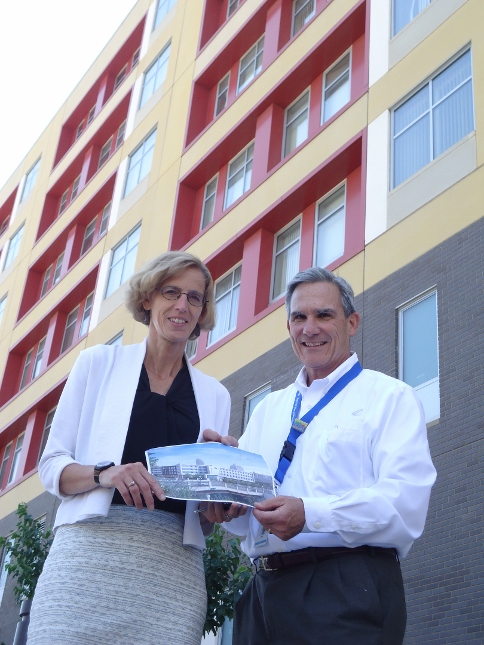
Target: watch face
{"points": [[104, 464]]}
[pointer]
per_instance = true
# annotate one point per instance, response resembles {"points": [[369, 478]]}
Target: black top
{"points": [[161, 420]]}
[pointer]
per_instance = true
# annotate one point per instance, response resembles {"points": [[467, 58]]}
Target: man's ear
{"points": [[354, 322]]}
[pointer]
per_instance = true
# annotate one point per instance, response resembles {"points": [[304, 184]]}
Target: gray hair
{"points": [[316, 274]]}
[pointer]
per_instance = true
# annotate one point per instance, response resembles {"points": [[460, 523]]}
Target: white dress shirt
{"points": [[362, 467]]}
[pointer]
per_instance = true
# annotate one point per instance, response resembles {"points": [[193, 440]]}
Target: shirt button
{"points": [[318, 525], [354, 527], [289, 475]]}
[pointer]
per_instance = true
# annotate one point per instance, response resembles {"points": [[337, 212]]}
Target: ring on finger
{"points": [[227, 516], [131, 483]]}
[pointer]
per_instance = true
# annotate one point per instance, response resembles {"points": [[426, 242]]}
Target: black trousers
{"points": [[355, 599]]}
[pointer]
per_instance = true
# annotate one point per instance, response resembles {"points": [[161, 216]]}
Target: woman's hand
{"points": [[221, 511], [211, 435], [134, 483]]}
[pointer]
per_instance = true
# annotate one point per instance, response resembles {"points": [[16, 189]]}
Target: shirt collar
{"points": [[323, 384]]}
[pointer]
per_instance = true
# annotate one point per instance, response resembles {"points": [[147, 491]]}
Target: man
{"points": [[354, 491]]}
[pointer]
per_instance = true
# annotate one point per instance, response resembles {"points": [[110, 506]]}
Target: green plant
{"points": [[226, 577], [29, 546]]}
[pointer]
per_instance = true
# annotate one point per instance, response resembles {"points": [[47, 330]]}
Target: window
{"points": [[38, 358], [191, 348], [80, 129], [105, 219], [105, 152], [4, 560], [30, 180], [75, 187], [117, 340], [26, 370], [286, 258], [120, 77], [14, 246], [162, 9], [336, 92], [58, 269], [250, 65], [69, 330], [209, 202], [419, 351], [252, 399], [296, 123], [86, 315], [90, 116], [303, 11], [405, 10], [45, 434], [239, 175], [232, 6], [123, 261], [88, 236], [120, 135], [222, 94], [135, 59], [63, 201], [330, 228], [139, 164], [46, 281], [5, 459], [433, 119], [227, 291], [4, 225], [16, 459], [3, 302], [155, 75]]}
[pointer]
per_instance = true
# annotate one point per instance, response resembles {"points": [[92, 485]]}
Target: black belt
{"points": [[287, 559]]}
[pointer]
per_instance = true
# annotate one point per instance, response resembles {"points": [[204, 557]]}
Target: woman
{"points": [[126, 564]]}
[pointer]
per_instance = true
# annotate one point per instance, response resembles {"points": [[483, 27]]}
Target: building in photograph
{"points": [[266, 136]]}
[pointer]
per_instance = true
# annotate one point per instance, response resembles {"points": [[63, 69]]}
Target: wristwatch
{"points": [[98, 468]]}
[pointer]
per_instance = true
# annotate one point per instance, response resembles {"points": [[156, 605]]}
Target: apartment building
{"points": [[268, 136]]}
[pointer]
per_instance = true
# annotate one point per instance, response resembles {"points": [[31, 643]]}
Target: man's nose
{"points": [[311, 328]]}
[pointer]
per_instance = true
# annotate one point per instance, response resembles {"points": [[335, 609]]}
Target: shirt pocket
{"points": [[341, 458]]}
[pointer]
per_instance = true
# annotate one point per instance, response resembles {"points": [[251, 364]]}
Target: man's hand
{"points": [[211, 435], [282, 516]]}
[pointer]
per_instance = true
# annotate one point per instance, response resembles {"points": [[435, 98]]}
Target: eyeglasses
{"points": [[173, 293]]}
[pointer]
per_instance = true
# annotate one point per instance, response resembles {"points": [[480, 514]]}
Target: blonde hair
{"points": [[155, 273]]}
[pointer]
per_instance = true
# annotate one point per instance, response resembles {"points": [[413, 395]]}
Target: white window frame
{"points": [[120, 76], [209, 199], [105, 219], [276, 254], [88, 239], [58, 269], [105, 152], [416, 8], [248, 157], [4, 463], [349, 54], [232, 6], [124, 275], [430, 110], [222, 93], [71, 322], [288, 125], [3, 302], [191, 348], [429, 391], [45, 432], [136, 162], [295, 28], [255, 394], [14, 246], [25, 370], [162, 9], [5, 558], [91, 115], [36, 369], [30, 180], [12, 475], [116, 340], [252, 58], [120, 135], [155, 75], [86, 315], [235, 286], [320, 222]]}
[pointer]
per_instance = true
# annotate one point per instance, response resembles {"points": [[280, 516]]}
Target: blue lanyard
{"points": [[298, 426]]}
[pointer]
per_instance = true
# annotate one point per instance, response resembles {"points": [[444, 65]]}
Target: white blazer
{"points": [[91, 422]]}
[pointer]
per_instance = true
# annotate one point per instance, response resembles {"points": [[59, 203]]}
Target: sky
{"points": [[46, 47]]}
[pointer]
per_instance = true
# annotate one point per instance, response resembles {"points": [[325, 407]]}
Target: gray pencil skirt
{"points": [[125, 579]]}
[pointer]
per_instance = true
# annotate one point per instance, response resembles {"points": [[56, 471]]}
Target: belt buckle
{"points": [[262, 562]]}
